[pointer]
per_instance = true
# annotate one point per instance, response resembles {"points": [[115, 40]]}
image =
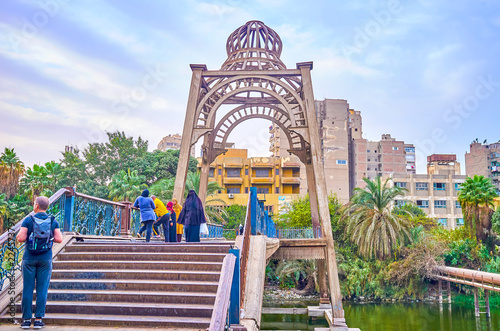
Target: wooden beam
{"points": [[232, 73]]}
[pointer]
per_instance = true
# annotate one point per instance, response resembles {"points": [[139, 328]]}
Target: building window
{"points": [[341, 161], [443, 221], [246, 171], [211, 172], [220, 172], [233, 190], [457, 186], [460, 221], [261, 173], [394, 148], [410, 149], [458, 205], [233, 172], [262, 190], [423, 203], [439, 186], [246, 190], [277, 172], [440, 204], [277, 190], [421, 186], [400, 203], [401, 184]]}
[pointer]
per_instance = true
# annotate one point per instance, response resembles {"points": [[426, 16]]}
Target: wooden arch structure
{"points": [[258, 84]]}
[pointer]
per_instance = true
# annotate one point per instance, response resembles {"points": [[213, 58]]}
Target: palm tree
{"points": [[163, 188], [35, 182], [214, 208], [302, 271], [125, 186], [371, 224], [476, 198], [54, 172], [11, 170]]}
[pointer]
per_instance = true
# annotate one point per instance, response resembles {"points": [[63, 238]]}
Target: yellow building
{"points": [[277, 179]]}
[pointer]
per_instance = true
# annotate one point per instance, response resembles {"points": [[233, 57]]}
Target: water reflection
{"points": [[396, 317]]}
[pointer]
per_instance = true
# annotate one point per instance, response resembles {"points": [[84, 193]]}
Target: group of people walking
{"points": [[173, 218]]}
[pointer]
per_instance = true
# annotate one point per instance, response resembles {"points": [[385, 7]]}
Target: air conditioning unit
{"points": [[230, 196]]}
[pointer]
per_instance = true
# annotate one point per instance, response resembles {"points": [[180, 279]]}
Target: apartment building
{"points": [[172, 141], [382, 158], [347, 157], [277, 179], [484, 159], [437, 191]]}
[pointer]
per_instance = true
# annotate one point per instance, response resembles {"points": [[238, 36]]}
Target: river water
{"points": [[395, 317]]}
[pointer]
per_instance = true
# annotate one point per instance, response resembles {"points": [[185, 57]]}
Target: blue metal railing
{"points": [[214, 232], [299, 233], [261, 222]]}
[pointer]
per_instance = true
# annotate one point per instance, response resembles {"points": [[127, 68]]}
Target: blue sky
{"points": [[425, 71]]}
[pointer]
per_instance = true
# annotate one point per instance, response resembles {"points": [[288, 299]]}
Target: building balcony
{"points": [[290, 180], [233, 180], [262, 180]]}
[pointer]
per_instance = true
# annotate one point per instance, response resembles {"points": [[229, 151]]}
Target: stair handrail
{"points": [[221, 305], [245, 248], [10, 251]]}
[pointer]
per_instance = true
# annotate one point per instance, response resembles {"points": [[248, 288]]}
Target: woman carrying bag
{"points": [[192, 217]]}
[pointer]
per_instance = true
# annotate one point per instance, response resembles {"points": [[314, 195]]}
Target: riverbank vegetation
{"points": [[386, 252]]}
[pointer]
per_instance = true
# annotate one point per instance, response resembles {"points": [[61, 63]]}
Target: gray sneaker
{"points": [[38, 324]]}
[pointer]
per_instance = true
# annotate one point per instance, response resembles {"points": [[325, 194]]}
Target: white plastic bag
{"points": [[204, 228]]}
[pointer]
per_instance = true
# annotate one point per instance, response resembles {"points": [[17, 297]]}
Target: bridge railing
{"points": [[85, 214], [11, 252], [298, 233]]}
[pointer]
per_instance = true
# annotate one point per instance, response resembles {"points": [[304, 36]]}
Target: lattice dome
{"points": [[253, 46]]}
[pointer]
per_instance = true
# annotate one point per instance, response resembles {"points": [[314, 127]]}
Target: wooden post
{"points": [[449, 291], [321, 193], [440, 290], [202, 192], [476, 302], [187, 132], [487, 302], [126, 218]]}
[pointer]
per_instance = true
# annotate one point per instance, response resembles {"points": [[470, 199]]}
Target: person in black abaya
{"points": [[192, 216]]}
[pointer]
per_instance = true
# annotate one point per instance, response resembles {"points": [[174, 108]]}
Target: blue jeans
{"points": [[38, 272], [148, 226]]}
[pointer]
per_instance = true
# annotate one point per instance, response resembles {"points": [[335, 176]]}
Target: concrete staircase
{"points": [[120, 284]]}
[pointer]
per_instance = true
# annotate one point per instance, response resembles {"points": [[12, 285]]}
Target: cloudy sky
{"points": [[426, 71]]}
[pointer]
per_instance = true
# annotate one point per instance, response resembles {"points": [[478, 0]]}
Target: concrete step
{"points": [[126, 308], [157, 248], [133, 285], [149, 275], [202, 298], [137, 265], [133, 256], [190, 323]]}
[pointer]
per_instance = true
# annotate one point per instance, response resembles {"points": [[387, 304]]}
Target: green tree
{"points": [[125, 186], [163, 189], [35, 182], [235, 216], [495, 221], [11, 170], [476, 198], [371, 224]]}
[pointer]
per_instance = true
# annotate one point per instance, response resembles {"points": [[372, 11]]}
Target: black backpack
{"points": [[41, 238]]}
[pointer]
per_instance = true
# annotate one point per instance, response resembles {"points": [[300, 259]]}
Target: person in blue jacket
{"points": [[148, 216]]}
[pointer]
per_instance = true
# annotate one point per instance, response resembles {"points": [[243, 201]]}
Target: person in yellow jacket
{"points": [[163, 218], [177, 209]]}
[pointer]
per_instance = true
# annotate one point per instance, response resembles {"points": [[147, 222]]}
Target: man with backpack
{"points": [[39, 232]]}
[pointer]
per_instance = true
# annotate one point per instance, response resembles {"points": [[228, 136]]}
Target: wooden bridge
{"points": [[104, 276]]}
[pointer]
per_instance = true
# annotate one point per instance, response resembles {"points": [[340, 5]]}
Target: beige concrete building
{"points": [[382, 158], [436, 192], [484, 159], [347, 157], [172, 141]]}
